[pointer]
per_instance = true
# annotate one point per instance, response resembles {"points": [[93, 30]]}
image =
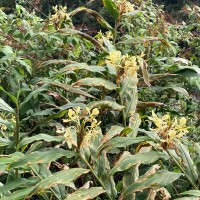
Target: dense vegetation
{"points": [[113, 115]]}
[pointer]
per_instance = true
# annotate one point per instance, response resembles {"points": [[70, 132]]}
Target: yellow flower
{"points": [[73, 115], [168, 129], [8, 117], [86, 126], [95, 111], [114, 57]]}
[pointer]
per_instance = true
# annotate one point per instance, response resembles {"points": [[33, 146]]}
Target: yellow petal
{"points": [[165, 117], [95, 111], [182, 121], [172, 134], [78, 110], [71, 114]]}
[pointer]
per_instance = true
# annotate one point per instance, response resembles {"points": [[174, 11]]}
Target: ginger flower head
{"points": [[169, 129]]}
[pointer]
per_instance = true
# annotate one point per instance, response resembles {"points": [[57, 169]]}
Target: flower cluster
{"points": [[124, 6], [60, 16], [86, 126], [128, 63], [168, 129], [7, 117]]}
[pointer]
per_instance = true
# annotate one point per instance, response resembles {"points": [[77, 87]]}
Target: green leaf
{"points": [[67, 31], [4, 106], [172, 87], [121, 142], [103, 104], [130, 160], [145, 74], [98, 82], [5, 159], [43, 156], [45, 137], [188, 198], [130, 95], [84, 66], [63, 177], [145, 39], [111, 8], [188, 71], [71, 89], [191, 192], [12, 185], [159, 179], [19, 194], [5, 142], [27, 66], [23, 105], [114, 131], [85, 194], [56, 62], [95, 14], [187, 162], [13, 98], [8, 51]]}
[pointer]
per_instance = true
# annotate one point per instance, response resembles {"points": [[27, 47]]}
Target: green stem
{"points": [[42, 180], [115, 32], [17, 128], [181, 168], [16, 135], [123, 111], [95, 175]]}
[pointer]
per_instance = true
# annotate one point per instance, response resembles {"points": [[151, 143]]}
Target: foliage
{"points": [[106, 117]]}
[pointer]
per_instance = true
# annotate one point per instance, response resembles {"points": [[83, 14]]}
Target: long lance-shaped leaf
{"points": [[187, 162], [156, 77], [44, 156], [85, 194], [103, 104], [114, 131], [141, 104], [56, 62], [84, 66], [145, 39], [188, 198], [6, 159], [19, 194], [191, 192], [4, 106], [96, 15], [101, 165], [130, 160], [84, 35], [63, 177], [69, 88], [39, 137], [13, 184], [145, 73], [48, 119], [6, 142], [172, 87], [129, 94], [23, 106], [13, 98], [98, 82], [188, 71], [121, 142], [57, 96], [111, 8], [160, 179]]}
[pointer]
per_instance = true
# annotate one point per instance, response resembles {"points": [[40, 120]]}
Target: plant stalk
{"points": [[95, 175], [181, 168]]}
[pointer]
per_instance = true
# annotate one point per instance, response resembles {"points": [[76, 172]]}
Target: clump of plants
{"points": [[103, 117]]}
